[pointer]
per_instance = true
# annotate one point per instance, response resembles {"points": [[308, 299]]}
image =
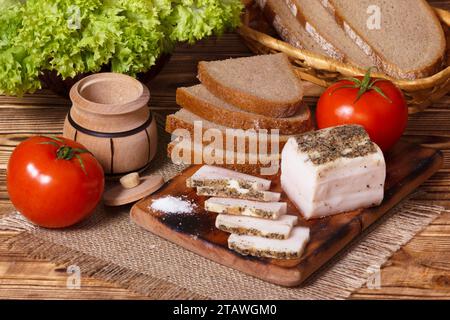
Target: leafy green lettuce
{"points": [[78, 36], [18, 70], [192, 20]]}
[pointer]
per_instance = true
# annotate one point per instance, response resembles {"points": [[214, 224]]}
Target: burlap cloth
{"points": [[109, 246]]}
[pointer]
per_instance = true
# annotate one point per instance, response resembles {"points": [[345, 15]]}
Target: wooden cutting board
{"points": [[408, 166]]}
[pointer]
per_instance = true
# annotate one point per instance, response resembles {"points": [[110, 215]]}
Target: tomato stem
{"points": [[364, 85], [65, 152]]}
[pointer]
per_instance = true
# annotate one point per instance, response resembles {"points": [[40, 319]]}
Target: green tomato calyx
{"points": [[65, 152], [364, 85]]}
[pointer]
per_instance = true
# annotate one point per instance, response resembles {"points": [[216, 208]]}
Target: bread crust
{"points": [[244, 120], [326, 41], [320, 39], [284, 30], [381, 62], [247, 101], [277, 23]]}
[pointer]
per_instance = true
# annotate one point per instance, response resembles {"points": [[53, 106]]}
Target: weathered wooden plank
{"points": [[20, 278], [420, 270]]}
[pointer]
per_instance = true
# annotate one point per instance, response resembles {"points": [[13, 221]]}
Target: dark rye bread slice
{"points": [[176, 149], [410, 43], [324, 29], [265, 84], [203, 103], [277, 14], [184, 119]]}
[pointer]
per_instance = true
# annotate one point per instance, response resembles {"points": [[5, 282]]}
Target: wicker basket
{"points": [[324, 71]]}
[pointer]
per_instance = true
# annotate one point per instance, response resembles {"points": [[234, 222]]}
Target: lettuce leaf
{"points": [[79, 36], [142, 39], [69, 36], [10, 22], [18, 71], [192, 20]]}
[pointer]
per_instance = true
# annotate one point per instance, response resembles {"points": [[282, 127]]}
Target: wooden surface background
{"points": [[421, 269]]}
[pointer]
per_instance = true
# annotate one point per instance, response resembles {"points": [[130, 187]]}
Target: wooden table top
{"points": [[421, 269]]}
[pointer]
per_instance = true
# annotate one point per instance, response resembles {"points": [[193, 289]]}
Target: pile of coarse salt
{"points": [[170, 204]]}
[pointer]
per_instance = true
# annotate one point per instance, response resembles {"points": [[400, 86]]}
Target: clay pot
{"points": [[110, 117]]}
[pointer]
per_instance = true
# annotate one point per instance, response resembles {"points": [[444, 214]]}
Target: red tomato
{"points": [[381, 109], [54, 182]]}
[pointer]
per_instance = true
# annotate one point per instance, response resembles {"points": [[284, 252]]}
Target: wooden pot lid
{"points": [[109, 103], [109, 93], [117, 195]]}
